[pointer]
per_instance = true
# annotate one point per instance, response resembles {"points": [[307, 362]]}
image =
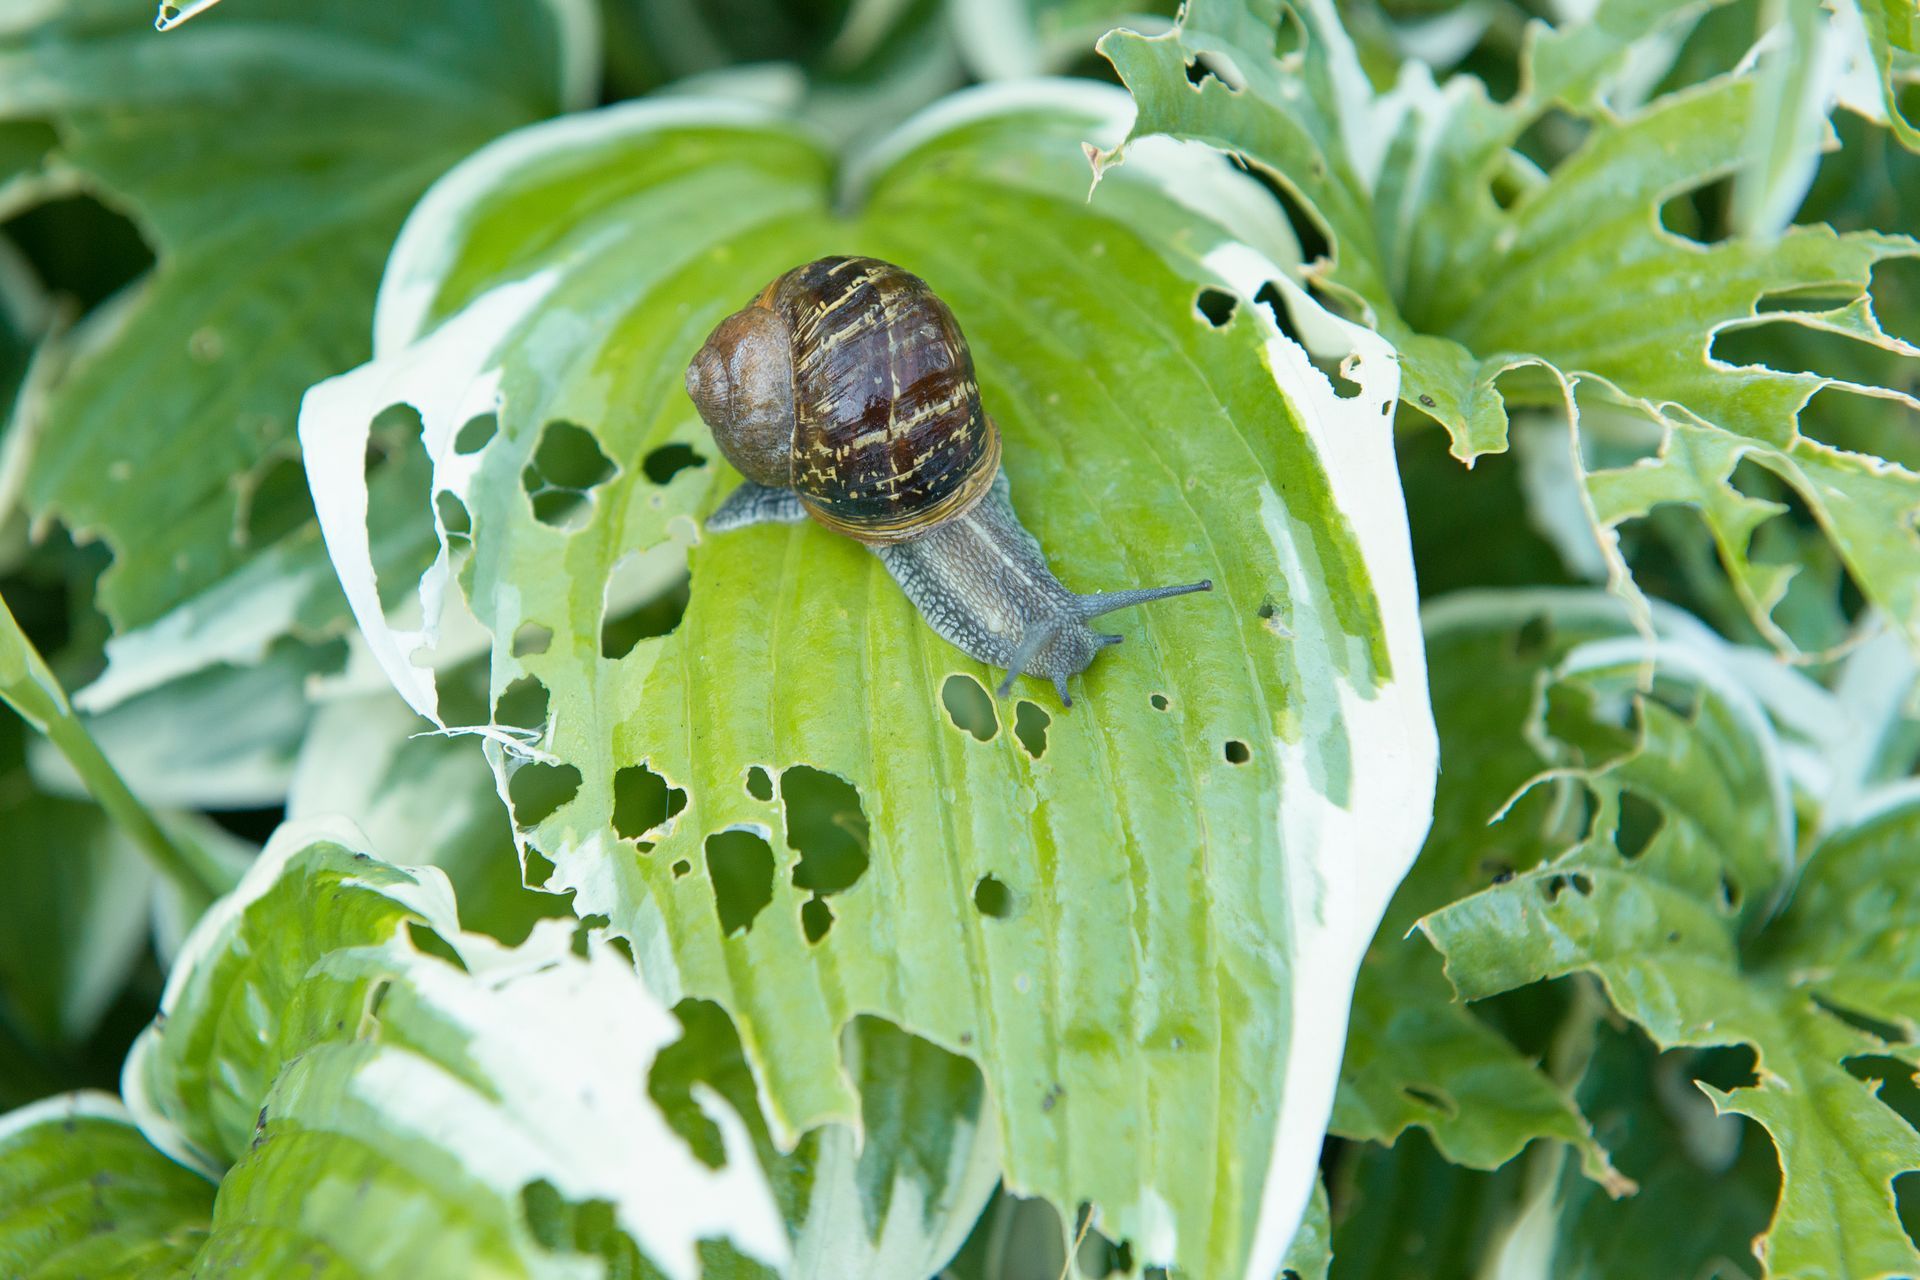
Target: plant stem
{"points": [[29, 687]]}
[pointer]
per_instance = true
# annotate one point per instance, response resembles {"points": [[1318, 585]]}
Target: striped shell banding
{"points": [[889, 437]]}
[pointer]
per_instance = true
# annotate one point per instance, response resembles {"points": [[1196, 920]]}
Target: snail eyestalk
{"points": [[1100, 603]]}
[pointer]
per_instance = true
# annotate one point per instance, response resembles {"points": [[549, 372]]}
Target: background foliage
{"points": [[919, 983]]}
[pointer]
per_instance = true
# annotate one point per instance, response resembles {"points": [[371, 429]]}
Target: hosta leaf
{"points": [[363, 757], [396, 1097], [1478, 267], [1708, 1181], [83, 1193], [1415, 1055], [1893, 39], [269, 151], [1663, 925], [1114, 910]]}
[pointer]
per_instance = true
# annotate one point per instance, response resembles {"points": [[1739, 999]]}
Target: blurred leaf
{"points": [[1042, 911], [1893, 37], [1707, 1181], [1663, 920], [269, 151], [30, 689], [1496, 282], [1009, 39], [73, 919], [83, 1193], [1408, 1213]]}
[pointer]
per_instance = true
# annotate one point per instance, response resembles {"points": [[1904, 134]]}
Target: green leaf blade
{"points": [[1097, 983]]}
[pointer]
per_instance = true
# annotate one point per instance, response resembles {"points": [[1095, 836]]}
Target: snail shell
{"points": [[881, 433]]}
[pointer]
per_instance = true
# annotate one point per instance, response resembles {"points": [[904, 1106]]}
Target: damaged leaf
{"points": [[268, 152], [1680, 927], [1499, 283], [1142, 930]]}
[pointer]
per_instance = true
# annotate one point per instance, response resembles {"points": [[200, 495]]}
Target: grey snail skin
{"points": [[844, 393]]}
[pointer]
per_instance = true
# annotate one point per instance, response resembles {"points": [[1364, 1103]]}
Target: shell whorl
{"points": [[889, 436]]}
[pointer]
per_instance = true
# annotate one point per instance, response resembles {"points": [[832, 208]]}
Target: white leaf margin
{"points": [[567, 1043], [1362, 850]]}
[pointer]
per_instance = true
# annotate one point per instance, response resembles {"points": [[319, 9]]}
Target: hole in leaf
{"points": [[1216, 306], [1270, 297], [1307, 229], [969, 707], [1787, 346], [400, 480], [473, 437], [1582, 884], [566, 465], [1729, 892], [657, 617], [1197, 74], [522, 704], [427, 942], [1551, 887], [669, 460], [992, 898], [1158, 701], [681, 867], [740, 865], [1886, 1032], [538, 789], [452, 512], [536, 868], [568, 457], [827, 827], [1030, 727], [1640, 821], [1699, 215], [1433, 1098], [531, 638], [643, 800], [759, 785], [1237, 752], [1288, 38], [274, 502], [585, 1227], [1556, 134], [816, 917]]}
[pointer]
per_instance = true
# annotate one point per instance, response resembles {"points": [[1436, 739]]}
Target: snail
{"points": [[844, 393]]}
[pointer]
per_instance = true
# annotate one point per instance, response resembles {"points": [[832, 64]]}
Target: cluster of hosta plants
{"points": [[426, 851]]}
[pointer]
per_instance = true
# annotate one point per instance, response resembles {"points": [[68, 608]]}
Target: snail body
{"points": [[845, 394]]}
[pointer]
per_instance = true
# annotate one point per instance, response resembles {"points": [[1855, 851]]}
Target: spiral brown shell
{"points": [[889, 437]]}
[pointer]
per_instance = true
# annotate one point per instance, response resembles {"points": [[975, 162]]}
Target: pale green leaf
{"points": [[84, 1194], [1495, 281], [268, 152], [1119, 925], [1677, 930], [383, 1091]]}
